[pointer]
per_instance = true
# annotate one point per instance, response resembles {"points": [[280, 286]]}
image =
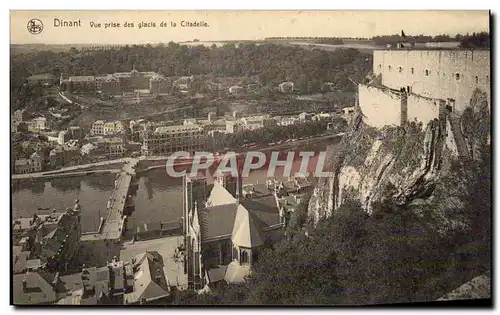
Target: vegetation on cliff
{"points": [[410, 249]]}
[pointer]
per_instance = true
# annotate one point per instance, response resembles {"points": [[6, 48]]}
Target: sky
{"points": [[237, 25]]}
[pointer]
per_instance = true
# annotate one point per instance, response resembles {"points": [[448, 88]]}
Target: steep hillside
{"points": [[420, 167], [405, 218]]}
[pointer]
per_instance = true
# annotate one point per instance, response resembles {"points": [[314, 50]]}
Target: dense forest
{"points": [[474, 40], [270, 64]]}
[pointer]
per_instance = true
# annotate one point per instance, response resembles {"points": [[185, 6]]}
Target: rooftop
{"points": [[219, 218], [245, 233], [82, 78], [150, 282], [178, 128], [32, 288]]}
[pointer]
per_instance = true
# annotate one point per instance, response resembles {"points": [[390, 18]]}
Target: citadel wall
{"points": [[423, 109], [380, 107], [441, 74], [384, 107]]}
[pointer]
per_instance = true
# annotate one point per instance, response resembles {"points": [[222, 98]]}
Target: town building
{"points": [[286, 121], [38, 124], [183, 83], [97, 128], [55, 240], [305, 116], [348, 113], [112, 128], [117, 83], [65, 155], [160, 85], [134, 80], [75, 132], [114, 147], [105, 285], [79, 84], [63, 137], [108, 84], [225, 233], [148, 281], [96, 285], [33, 288], [321, 117], [141, 281], [286, 87], [237, 90], [21, 115], [170, 139], [45, 79], [248, 123], [31, 165]]}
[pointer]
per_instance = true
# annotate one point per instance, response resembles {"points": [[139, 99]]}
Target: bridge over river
{"points": [[112, 224]]}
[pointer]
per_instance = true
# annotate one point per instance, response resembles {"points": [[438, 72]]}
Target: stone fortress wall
{"points": [[441, 74], [431, 79], [380, 107]]}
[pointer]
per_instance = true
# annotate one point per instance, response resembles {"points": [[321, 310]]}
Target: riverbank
{"points": [[113, 166]]}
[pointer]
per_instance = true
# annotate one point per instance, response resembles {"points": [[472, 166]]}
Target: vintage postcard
{"points": [[250, 157]]}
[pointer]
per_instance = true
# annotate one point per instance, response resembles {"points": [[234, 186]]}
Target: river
{"points": [[158, 196]]}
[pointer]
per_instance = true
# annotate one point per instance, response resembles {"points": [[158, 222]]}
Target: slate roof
{"points": [[97, 278], [150, 282], [264, 210], [218, 218], [217, 221], [82, 78], [38, 290]]}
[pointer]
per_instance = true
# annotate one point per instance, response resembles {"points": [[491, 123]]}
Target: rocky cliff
{"points": [[423, 168]]}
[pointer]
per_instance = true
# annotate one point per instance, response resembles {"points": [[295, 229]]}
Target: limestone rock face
{"points": [[406, 166]]}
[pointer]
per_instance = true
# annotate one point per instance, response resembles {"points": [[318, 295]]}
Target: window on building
{"points": [[390, 68], [380, 66], [477, 79], [244, 257], [457, 76], [412, 70], [427, 72], [400, 69]]}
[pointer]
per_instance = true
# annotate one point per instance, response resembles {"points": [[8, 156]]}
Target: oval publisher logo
{"points": [[35, 26]]}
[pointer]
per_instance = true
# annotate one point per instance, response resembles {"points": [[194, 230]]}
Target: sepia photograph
{"points": [[250, 158]]}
